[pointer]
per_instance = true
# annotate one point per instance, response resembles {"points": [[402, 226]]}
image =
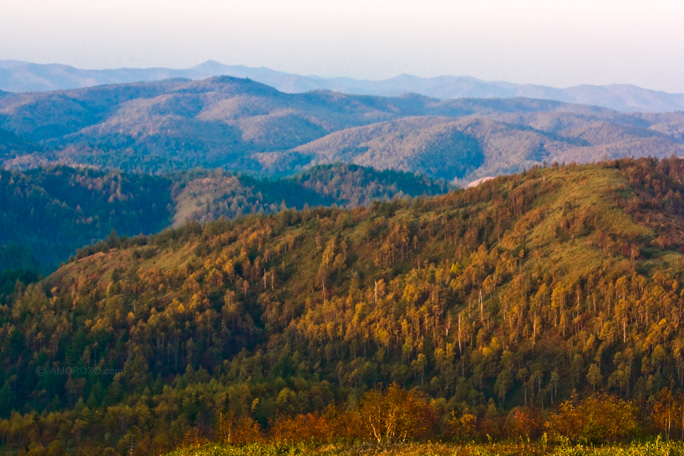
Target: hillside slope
{"points": [[516, 292]]}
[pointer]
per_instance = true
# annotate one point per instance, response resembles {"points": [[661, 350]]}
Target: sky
{"points": [[559, 43]]}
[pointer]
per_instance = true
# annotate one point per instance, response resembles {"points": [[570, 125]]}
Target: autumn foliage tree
{"points": [[309, 427], [396, 415], [667, 414], [595, 419], [524, 422], [236, 429]]}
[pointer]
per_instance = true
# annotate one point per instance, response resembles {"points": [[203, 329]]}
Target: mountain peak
{"points": [[231, 85], [211, 66]]}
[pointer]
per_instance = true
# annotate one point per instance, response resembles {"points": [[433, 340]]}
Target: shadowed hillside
{"points": [[48, 213]]}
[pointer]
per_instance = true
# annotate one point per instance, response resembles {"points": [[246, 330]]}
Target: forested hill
{"points": [[48, 213], [519, 291]]}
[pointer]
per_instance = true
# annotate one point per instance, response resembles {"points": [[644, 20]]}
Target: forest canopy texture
{"points": [[513, 295]]}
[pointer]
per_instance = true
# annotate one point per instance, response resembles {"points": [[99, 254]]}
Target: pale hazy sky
{"points": [[553, 42]]}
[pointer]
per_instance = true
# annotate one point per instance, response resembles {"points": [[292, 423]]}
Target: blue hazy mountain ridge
{"points": [[243, 125], [16, 76]]}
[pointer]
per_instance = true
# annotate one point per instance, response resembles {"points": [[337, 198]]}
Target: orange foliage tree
{"points": [[524, 422], [598, 418], [667, 414], [396, 414], [237, 430], [311, 427]]}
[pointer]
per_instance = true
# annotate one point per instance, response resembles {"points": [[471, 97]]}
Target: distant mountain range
{"points": [[242, 125], [17, 76]]}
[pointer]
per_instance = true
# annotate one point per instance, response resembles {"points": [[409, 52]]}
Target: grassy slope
{"points": [[440, 449]]}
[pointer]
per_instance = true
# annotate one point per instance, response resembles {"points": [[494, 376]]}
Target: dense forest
{"points": [[558, 284], [48, 213]]}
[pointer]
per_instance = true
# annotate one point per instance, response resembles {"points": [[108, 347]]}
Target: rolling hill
{"points": [[243, 125], [513, 295]]}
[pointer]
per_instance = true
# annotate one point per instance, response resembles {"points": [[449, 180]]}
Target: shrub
{"points": [[596, 419]]}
